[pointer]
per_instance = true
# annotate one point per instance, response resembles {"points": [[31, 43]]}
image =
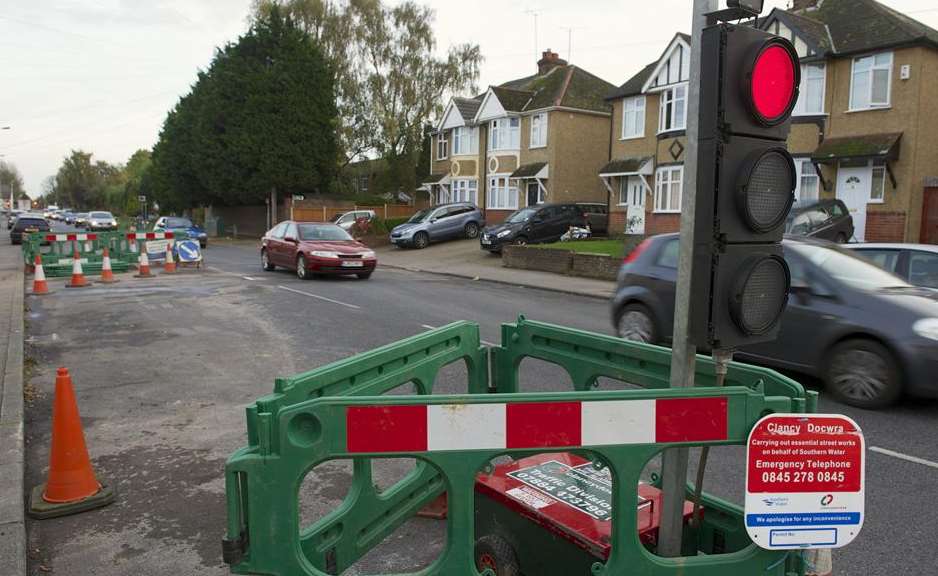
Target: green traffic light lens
{"points": [[761, 294]]}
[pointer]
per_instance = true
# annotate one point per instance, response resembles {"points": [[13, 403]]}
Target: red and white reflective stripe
{"points": [[523, 425], [150, 236], [70, 237]]}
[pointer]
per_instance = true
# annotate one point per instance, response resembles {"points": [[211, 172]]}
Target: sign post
{"points": [[805, 481]]}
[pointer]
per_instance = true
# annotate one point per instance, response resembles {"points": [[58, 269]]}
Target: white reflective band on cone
{"points": [[818, 562], [39, 274]]}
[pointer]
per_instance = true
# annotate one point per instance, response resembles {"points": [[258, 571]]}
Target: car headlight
{"points": [[324, 254], [368, 254], [927, 328], [504, 233]]}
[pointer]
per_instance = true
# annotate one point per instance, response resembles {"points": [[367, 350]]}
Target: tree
{"points": [[390, 82], [11, 182], [260, 120]]}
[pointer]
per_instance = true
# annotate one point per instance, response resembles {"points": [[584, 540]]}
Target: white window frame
{"points": [[465, 190], [538, 131], [811, 72], [662, 196], [871, 72], [501, 187], [465, 141], [507, 129], [442, 146], [800, 177], [669, 96], [634, 107], [624, 190], [882, 197]]}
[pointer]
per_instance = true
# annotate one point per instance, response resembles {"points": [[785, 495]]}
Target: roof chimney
{"points": [[799, 5], [549, 60]]}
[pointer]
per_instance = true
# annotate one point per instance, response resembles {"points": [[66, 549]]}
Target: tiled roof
{"points": [[625, 165], [810, 29], [528, 170], [634, 84], [865, 146], [861, 25], [512, 100], [467, 107], [566, 85]]}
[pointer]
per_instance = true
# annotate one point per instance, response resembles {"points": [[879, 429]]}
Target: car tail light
{"points": [[637, 251]]}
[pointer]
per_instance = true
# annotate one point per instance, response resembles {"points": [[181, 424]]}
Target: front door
{"points": [[930, 217], [534, 193], [853, 187], [635, 201]]}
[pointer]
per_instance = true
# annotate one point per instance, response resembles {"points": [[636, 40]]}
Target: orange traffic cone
{"points": [[71, 486], [39, 280], [107, 275], [78, 277], [143, 267], [169, 267]]}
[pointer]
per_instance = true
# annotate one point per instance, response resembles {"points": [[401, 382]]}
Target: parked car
{"points": [[12, 216], [533, 225], [81, 219], [597, 216], [867, 333], [346, 220], [314, 248], [828, 219], [917, 264], [179, 224], [26, 223], [98, 221], [443, 222]]}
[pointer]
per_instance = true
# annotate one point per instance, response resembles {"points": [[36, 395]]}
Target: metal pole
{"points": [[674, 460]]}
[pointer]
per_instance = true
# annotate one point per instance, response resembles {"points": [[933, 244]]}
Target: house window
{"points": [[808, 181], [811, 98], [631, 191], [633, 117], [443, 195], [505, 134], [870, 83], [362, 184], [442, 146], [502, 194], [878, 191], [465, 141], [668, 185], [538, 131], [673, 112], [466, 190]]}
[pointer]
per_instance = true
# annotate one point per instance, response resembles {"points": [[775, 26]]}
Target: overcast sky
{"points": [[100, 75]]}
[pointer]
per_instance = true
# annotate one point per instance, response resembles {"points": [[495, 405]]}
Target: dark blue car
{"points": [[178, 224]]}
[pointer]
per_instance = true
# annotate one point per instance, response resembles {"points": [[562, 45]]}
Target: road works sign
{"points": [[805, 478]]}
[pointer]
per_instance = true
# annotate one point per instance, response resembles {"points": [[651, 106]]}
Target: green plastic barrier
{"points": [[305, 423], [57, 255]]}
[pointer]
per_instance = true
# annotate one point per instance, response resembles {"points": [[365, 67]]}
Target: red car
{"points": [[314, 248]]}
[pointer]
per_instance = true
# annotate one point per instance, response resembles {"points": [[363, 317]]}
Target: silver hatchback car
{"points": [[444, 222]]}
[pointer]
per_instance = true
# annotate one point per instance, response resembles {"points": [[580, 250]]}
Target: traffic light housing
{"points": [[745, 186]]}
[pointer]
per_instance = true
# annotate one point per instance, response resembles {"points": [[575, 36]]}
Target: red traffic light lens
{"points": [[774, 84]]}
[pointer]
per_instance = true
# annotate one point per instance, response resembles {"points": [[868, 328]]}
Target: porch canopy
{"points": [[858, 150], [536, 170], [623, 167]]}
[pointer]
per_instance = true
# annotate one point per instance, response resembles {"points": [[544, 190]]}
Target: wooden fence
{"points": [[327, 213]]}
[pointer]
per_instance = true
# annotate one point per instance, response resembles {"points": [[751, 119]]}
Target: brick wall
{"points": [[617, 223], [885, 226], [661, 223], [496, 216]]}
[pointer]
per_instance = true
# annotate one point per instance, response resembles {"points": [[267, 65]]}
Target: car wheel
{"points": [[496, 554], [863, 373], [364, 275], [265, 262], [636, 323], [301, 272], [520, 241], [203, 245], [421, 240], [841, 238], [472, 230]]}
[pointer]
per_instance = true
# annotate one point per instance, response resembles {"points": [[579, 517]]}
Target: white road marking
{"points": [[905, 457], [317, 296], [483, 342], [248, 278]]}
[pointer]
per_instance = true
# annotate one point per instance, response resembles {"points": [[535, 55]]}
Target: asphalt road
{"points": [[163, 369]]}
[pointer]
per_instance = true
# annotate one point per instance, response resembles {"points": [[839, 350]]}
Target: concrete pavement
{"points": [[464, 259], [12, 527]]}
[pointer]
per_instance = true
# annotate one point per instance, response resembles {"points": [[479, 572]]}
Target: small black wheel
{"points": [[421, 240], [520, 241], [265, 262], [301, 272], [496, 554], [841, 238], [637, 324], [863, 373], [203, 245], [472, 230], [364, 275]]}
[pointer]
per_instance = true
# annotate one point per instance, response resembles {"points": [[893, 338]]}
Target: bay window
{"points": [[668, 185], [505, 134], [466, 190], [870, 83], [672, 115]]}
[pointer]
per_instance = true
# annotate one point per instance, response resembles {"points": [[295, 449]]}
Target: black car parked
{"points": [[597, 216], [27, 223], [867, 333], [828, 219], [533, 225]]}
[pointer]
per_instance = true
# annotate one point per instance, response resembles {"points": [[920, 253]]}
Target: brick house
{"points": [[537, 139], [865, 128]]}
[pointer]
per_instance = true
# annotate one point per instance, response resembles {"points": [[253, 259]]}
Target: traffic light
{"points": [[745, 186]]}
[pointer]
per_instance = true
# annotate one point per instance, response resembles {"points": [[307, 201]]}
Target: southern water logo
{"points": [[777, 502]]}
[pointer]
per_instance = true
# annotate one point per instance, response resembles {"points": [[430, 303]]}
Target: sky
{"points": [[100, 75]]}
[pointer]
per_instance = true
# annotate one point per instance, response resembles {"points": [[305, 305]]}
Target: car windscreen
{"points": [[521, 216], [321, 232], [848, 268], [101, 215], [419, 216], [178, 223]]}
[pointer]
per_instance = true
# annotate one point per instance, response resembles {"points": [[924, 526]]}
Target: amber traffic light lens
{"points": [[774, 83], [761, 294], [766, 190]]}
